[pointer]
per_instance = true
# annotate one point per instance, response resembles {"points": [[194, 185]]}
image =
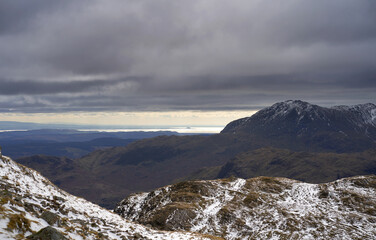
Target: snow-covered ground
{"points": [[26, 197], [262, 208]]}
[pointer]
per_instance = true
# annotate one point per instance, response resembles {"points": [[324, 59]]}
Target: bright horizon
{"points": [[128, 119]]}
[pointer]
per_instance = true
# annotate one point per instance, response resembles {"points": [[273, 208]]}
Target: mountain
{"points": [[310, 167], [300, 125], [68, 135], [149, 163], [260, 208], [32, 207]]}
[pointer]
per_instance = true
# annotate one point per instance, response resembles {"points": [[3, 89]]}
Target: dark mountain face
{"points": [[67, 143], [305, 166], [300, 125]]}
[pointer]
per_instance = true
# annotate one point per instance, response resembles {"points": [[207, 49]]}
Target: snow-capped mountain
{"points": [[261, 208], [33, 208], [339, 128], [305, 115]]}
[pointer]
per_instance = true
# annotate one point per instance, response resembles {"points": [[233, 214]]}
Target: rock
{"points": [[50, 218], [47, 233]]}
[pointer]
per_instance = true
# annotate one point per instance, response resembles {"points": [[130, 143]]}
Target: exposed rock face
{"points": [[261, 208], [31, 207], [47, 233]]}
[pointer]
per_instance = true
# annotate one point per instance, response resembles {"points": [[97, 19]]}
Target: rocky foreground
{"points": [[261, 208], [31, 207]]}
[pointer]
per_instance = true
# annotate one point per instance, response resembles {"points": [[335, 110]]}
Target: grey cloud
{"points": [[18, 15], [29, 87], [185, 54]]}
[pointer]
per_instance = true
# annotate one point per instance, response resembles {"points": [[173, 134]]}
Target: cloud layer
{"points": [[162, 55]]}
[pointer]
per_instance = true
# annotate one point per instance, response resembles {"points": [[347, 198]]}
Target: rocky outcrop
{"points": [[261, 208]]}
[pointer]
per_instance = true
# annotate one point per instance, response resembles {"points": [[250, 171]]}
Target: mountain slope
{"points": [[65, 142], [33, 207], [304, 166], [73, 177], [150, 163], [261, 208], [20, 148], [300, 125]]}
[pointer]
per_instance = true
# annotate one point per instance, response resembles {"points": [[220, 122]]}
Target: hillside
{"points": [[72, 149], [66, 142], [294, 125], [69, 175], [304, 166], [261, 208], [33, 208]]}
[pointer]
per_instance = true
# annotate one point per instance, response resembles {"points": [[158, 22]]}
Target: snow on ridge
{"points": [[28, 196], [282, 109], [301, 107], [367, 112], [360, 116], [271, 208]]}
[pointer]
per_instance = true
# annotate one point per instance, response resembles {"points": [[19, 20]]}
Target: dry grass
{"points": [[252, 200], [19, 223]]}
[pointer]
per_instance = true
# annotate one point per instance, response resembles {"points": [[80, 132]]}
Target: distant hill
{"points": [[24, 148], [294, 125], [66, 142], [304, 166], [70, 135]]}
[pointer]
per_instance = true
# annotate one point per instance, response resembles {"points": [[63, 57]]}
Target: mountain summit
{"points": [[297, 122]]}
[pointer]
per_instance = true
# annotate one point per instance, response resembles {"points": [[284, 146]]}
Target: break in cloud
{"points": [[147, 55]]}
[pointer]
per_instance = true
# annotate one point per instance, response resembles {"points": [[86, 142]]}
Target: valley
{"points": [[292, 139]]}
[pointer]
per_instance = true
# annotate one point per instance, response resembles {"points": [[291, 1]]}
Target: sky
{"points": [[181, 62]]}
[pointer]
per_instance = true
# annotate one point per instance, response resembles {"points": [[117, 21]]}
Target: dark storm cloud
{"points": [[195, 54], [18, 15], [38, 87]]}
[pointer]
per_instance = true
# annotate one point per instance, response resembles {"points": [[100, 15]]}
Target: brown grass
{"points": [[19, 223]]}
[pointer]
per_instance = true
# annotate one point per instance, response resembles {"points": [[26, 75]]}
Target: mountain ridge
{"points": [[300, 126], [304, 166], [31, 207], [359, 115], [260, 208]]}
